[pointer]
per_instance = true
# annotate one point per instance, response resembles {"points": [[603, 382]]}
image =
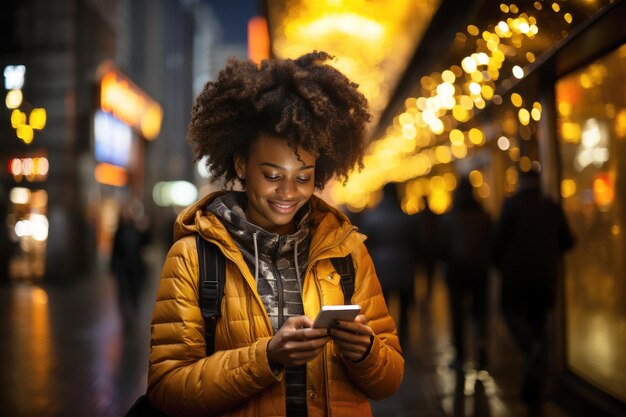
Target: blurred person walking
{"points": [[426, 254], [465, 245], [127, 262], [6, 245], [531, 236], [391, 242]]}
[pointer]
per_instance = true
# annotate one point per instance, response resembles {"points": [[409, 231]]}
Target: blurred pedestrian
{"points": [[531, 236], [466, 237], [280, 129], [391, 242], [127, 262], [6, 246], [426, 255]]}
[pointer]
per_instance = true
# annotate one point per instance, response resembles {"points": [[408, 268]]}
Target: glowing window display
{"points": [[113, 139], [591, 122]]}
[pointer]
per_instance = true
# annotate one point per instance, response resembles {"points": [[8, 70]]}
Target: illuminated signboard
{"points": [[14, 77], [258, 39], [33, 169], [123, 99], [110, 175], [113, 139]]}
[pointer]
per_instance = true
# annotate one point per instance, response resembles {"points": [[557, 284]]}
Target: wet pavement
{"points": [[66, 353]]}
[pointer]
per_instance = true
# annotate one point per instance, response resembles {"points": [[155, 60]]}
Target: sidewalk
{"points": [[66, 355], [431, 388]]}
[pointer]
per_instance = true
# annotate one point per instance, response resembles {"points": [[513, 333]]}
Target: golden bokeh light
{"points": [[535, 114], [439, 201], [476, 178], [476, 136], [14, 99], [448, 76], [525, 163], [371, 41], [468, 65], [620, 124], [568, 188], [431, 132], [443, 154], [460, 151], [25, 132], [524, 116], [484, 191], [18, 118], [37, 118], [503, 143], [510, 179], [473, 30], [456, 137], [449, 181]]}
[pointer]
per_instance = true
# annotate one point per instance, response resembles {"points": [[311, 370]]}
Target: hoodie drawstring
{"points": [[256, 260], [295, 257]]}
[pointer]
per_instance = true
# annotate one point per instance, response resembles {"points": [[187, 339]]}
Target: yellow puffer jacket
{"points": [[236, 380]]}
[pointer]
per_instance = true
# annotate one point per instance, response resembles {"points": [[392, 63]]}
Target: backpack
{"points": [[211, 287], [213, 276]]}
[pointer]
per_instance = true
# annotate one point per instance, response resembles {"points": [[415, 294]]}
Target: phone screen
{"points": [[328, 314]]}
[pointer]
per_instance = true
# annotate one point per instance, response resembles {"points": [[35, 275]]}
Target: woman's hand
{"points": [[296, 342], [352, 338]]}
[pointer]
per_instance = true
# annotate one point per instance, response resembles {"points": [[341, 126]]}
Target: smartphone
{"points": [[328, 314]]}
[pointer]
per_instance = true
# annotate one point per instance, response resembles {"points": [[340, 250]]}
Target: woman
{"points": [[281, 130]]}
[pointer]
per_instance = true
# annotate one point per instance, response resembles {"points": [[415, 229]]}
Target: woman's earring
{"points": [[240, 175]]}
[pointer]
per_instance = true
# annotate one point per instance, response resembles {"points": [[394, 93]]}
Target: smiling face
{"points": [[278, 183]]}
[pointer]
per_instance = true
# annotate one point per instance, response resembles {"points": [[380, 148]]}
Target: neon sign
{"points": [[127, 102]]}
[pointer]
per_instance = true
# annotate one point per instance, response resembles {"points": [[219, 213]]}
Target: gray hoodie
{"points": [[279, 263], [271, 257]]}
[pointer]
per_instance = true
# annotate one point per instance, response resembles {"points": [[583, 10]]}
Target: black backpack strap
{"points": [[211, 287], [345, 269]]}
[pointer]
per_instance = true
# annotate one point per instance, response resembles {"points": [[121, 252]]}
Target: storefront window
{"points": [[27, 223], [591, 105]]}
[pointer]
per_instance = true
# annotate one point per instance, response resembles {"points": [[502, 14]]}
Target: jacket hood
{"points": [[190, 220], [330, 228]]}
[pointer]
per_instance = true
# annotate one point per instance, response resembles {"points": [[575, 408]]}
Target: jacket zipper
{"points": [[250, 317], [309, 268], [249, 298], [319, 292], [324, 361]]}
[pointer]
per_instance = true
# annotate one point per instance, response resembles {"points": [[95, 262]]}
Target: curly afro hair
{"points": [[305, 101]]}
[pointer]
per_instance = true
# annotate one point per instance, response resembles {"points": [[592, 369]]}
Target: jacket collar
{"points": [[229, 208], [332, 234]]}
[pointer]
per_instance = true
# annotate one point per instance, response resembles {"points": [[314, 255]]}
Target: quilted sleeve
{"points": [[181, 379], [379, 375]]}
